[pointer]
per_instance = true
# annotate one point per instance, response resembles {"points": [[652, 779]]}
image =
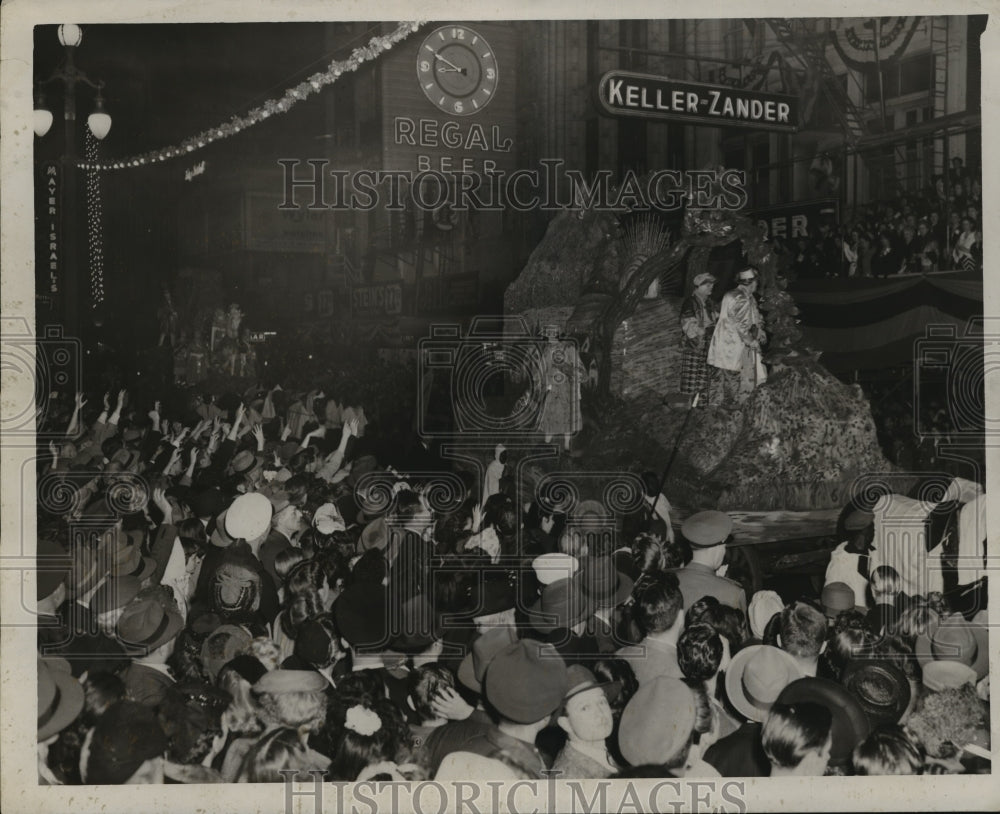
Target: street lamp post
{"points": [[99, 122]]}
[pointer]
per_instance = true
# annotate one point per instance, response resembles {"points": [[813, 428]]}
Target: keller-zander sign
{"points": [[624, 93]]}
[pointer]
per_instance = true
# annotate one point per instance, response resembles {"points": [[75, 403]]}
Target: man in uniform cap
{"points": [[707, 533]]}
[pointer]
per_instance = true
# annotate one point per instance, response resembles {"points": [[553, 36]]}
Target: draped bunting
{"points": [[873, 323]]}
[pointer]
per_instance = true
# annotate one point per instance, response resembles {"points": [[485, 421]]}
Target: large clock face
{"points": [[457, 69]]}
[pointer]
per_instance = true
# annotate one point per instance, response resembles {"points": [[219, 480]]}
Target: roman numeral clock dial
{"points": [[457, 70]]}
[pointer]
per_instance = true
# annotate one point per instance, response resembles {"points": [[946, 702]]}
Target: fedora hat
{"points": [[581, 679], [881, 688], [526, 681], [115, 593], [603, 584], [126, 554], [707, 529], [472, 669], [850, 724], [149, 622], [953, 638], [490, 592], [756, 676], [562, 604], [60, 697]]}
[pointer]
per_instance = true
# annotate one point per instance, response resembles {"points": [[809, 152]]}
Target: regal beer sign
{"points": [[623, 93]]}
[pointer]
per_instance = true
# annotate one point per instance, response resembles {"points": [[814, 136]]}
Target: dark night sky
{"points": [[166, 82]]}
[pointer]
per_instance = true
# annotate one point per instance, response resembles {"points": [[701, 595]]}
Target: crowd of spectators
{"points": [[938, 228], [253, 583]]}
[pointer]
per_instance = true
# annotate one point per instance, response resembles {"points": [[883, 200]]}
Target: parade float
{"points": [[784, 462]]}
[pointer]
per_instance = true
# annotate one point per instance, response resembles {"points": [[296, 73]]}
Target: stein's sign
{"points": [[624, 93]]}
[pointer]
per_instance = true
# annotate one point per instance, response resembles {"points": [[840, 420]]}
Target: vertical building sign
{"points": [[51, 219]]}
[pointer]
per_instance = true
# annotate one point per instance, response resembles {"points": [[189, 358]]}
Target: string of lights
{"points": [[376, 46], [95, 224]]}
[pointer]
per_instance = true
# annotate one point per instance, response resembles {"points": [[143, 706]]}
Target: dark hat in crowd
{"points": [[858, 520], [362, 466], [472, 670], [282, 682], [881, 688], [837, 597], [126, 554], [223, 645], [53, 570], [204, 622], [756, 677], [150, 621], [417, 626], [562, 604], [361, 615], [60, 697], [313, 643], [707, 529], [491, 592], [287, 451], [131, 434], [188, 715], [603, 584], [850, 724], [249, 667], [954, 638], [116, 592], [581, 679], [126, 736], [207, 503], [657, 721], [526, 681]]}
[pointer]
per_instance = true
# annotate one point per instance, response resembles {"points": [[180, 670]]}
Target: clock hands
{"points": [[452, 65]]}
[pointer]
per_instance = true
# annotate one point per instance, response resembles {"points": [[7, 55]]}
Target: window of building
{"points": [[911, 75]]}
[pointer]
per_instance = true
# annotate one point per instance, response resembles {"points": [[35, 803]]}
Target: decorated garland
{"points": [[376, 46], [95, 226], [854, 41]]}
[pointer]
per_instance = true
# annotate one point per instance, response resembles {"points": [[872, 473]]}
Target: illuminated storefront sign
{"points": [[624, 93]]}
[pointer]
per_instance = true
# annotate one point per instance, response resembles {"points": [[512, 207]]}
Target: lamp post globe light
{"points": [[99, 122]]}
